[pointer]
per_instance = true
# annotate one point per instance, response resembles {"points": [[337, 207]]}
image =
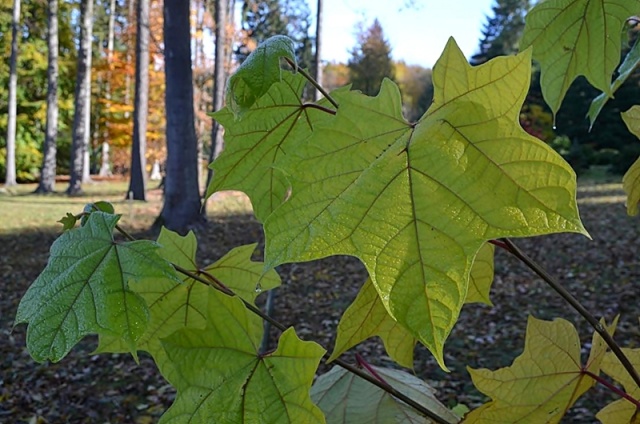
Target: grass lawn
{"points": [[21, 210]]}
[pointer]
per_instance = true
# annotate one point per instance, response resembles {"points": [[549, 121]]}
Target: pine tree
{"points": [[263, 19], [370, 60], [502, 31]]}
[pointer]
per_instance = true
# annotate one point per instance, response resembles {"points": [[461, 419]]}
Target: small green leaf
{"points": [[630, 63], [576, 37], [367, 317], [256, 74], [103, 206], [226, 380], [543, 382], [255, 143], [68, 222], [481, 276], [346, 398], [84, 289], [631, 179]]}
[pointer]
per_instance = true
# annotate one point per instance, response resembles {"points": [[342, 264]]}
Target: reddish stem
{"points": [[364, 364], [500, 244], [613, 388]]}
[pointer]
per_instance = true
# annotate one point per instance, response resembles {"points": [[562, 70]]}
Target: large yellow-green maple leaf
{"points": [[542, 383], [576, 37], [415, 202], [631, 179]]}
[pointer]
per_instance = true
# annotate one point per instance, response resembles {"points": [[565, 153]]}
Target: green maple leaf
{"points": [[543, 382], [416, 202], [346, 398], [367, 317], [174, 306], [576, 37], [481, 276], [631, 179], [621, 411], [225, 380], [256, 74], [84, 289], [629, 64], [255, 143], [68, 221]]}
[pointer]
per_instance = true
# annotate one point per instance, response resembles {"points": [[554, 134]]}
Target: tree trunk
{"points": [[48, 171], [80, 146], [10, 177], [137, 184], [105, 166], [219, 78], [318, 54], [181, 207]]}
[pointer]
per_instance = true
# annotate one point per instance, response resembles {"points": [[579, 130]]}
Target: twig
{"points": [[313, 82], [554, 284], [611, 387]]}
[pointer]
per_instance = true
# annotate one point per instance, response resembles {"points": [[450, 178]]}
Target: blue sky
{"points": [[417, 35]]}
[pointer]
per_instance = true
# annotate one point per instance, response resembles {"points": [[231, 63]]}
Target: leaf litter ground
{"points": [[604, 274]]}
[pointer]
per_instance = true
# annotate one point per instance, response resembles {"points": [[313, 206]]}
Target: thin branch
{"points": [[613, 388], [554, 284], [313, 82]]}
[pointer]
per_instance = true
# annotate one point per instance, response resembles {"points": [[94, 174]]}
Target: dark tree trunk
{"points": [[137, 183], [80, 146], [48, 171], [181, 208], [219, 79], [10, 177]]}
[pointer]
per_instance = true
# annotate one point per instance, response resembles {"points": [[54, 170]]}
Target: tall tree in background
{"points": [[79, 150], [181, 207], [48, 170], [370, 60], [502, 31], [263, 19], [141, 104], [219, 78], [317, 68], [105, 165], [10, 178]]}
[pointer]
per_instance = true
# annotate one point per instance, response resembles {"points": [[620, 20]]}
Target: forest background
{"points": [[112, 63]]}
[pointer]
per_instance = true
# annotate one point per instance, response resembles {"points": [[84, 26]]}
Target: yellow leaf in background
{"points": [[631, 180], [543, 382], [621, 411], [367, 317]]}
